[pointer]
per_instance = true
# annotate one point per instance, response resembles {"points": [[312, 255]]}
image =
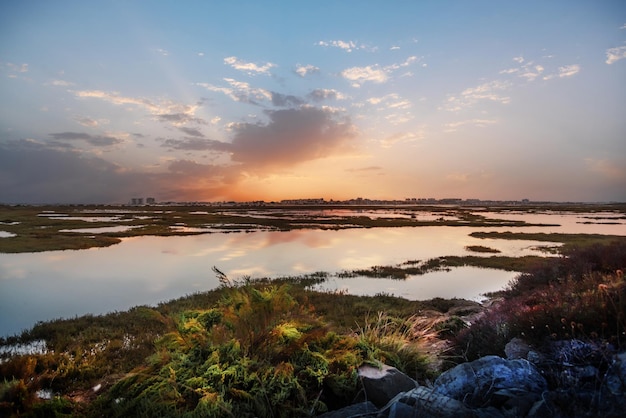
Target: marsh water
{"points": [[148, 270]]}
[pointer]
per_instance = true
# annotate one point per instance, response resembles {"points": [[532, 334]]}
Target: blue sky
{"points": [[203, 100]]}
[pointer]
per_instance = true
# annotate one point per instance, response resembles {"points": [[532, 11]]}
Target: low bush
{"points": [[581, 295]]}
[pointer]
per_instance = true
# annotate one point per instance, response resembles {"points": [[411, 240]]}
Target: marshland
{"points": [[113, 297]]}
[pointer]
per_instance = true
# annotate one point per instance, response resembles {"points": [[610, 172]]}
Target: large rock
{"points": [[491, 381], [422, 402], [516, 348], [381, 384]]}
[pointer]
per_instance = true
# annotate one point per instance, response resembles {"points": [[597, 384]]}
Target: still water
{"points": [[149, 270]]}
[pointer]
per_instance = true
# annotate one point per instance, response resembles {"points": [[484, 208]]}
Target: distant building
{"points": [[150, 200], [136, 201]]}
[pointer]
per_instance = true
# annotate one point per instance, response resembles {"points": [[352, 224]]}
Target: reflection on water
{"points": [[471, 282], [148, 270]]}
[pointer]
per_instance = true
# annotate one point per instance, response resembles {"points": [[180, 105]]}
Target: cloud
{"points": [[319, 95], [195, 144], [347, 46], [192, 132], [240, 91], [61, 83], [35, 173], [249, 67], [162, 51], [615, 54], [95, 140], [304, 70], [18, 68], [163, 110], [375, 73], [91, 123], [479, 123], [285, 100], [487, 91], [32, 172], [531, 73], [362, 74], [401, 137], [569, 70], [290, 137]]}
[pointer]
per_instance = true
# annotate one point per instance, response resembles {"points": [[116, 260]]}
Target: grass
{"points": [[481, 249], [43, 233]]}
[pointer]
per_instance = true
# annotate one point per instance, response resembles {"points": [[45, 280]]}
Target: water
{"points": [[148, 270]]}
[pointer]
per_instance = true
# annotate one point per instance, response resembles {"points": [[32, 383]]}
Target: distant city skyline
{"points": [[218, 101]]}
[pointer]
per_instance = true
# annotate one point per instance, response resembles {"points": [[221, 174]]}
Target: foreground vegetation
{"points": [[273, 348]]}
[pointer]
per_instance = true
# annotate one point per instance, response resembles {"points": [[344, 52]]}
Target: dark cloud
{"points": [[31, 172], [192, 168], [180, 118], [195, 144], [283, 100], [319, 95], [191, 131], [95, 140], [291, 136], [35, 173]]}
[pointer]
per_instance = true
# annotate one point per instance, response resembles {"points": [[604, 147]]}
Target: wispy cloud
{"points": [[240, 91], [479, 123], [374, 73], [319, 95], [569, 70], [490, 91], [530, 72], [18, 68], [304, 70], [401, 137], [359, 75], [249, 67], [390, 101], [347, 46], [195, 144], [95, 140], [161, 109], [61, 83], [615, 54], [91, 123]]}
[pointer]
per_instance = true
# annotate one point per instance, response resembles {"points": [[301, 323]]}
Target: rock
{"points": [[616, 376], [516, 348], [490, 381], [422, 402], [358, 409], [383, 384]]}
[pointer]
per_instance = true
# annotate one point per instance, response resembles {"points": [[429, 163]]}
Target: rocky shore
{"points": [[564, 379]]}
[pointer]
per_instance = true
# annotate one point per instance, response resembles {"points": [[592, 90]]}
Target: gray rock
{"points": [[422, 402], [516, 348], [490, 381], [384, 383], [615, 379]]}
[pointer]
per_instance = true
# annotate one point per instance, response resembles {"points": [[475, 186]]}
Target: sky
{"points": [[101, 102]]}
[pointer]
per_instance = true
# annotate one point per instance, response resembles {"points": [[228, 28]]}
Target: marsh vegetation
{"points": [[276, 347]]}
